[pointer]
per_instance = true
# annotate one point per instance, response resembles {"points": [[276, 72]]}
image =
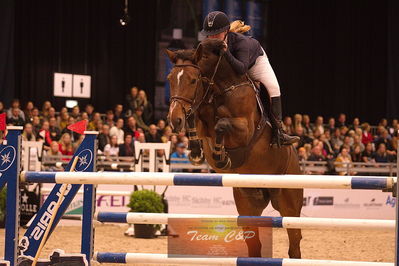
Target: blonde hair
{"points": [[239, 26]]}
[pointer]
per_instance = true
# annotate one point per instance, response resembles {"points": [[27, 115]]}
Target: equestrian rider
{"points": [[246, 55]]}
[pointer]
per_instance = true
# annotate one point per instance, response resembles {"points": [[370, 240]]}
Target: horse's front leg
{"points": [[196, 155], [233, 130]]}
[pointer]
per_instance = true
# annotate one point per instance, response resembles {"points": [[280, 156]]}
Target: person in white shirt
{"points": [[117, 131]]}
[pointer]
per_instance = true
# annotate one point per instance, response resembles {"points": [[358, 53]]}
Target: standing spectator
{"points": [[29, 111], [147, 107], [131, 100], [127, 148], [367, 137], [55, 132], [331, 125], [139, 119], [318, 125], [15, 119], [152, 136], [344, 158], [109, 118], [15, 105], [112, 149], [27, 134], [341, 120], [65, 144], [368, 153], [118, 112], [104, 137], [131, 127], [117, 131]]}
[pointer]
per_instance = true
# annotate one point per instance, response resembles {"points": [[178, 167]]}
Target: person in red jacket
{"points": [[367, 137]]}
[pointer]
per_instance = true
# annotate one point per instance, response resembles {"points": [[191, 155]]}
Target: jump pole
{"points": [[259, 221], [108, 257], [225, 180]]}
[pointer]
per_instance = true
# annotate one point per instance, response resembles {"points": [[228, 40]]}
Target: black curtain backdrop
{"points": [[85, 37], [331, 56], [7, 51]]}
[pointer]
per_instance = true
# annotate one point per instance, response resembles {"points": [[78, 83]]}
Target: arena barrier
{"points": [[86, 154]]}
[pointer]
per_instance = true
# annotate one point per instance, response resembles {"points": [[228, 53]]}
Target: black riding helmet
{"points": [[215, 23]]}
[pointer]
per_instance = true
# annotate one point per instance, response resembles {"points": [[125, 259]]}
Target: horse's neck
{"points": [[226, 76]]}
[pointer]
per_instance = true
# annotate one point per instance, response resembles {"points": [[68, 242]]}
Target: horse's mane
{"points": [[212, 45], [185, 54]]}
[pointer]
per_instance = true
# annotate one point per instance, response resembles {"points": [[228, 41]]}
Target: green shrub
{"points": [[146, 201]]}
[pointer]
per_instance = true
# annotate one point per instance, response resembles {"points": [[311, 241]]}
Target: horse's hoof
{"points": [[196, 160]]}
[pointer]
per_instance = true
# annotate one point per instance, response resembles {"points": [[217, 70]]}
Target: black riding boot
{"points": [[280, 137]]}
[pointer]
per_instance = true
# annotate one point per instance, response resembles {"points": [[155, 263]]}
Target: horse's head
{"points": [[185, 86]]}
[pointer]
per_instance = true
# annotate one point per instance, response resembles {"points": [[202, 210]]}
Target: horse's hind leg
{"points": [[289, 203], [251, 202]]}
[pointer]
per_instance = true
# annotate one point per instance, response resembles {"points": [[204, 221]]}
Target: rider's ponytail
{"points": [[239, 26]]}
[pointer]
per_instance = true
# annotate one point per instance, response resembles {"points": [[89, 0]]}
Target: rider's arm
{"points": [[240, 60]]}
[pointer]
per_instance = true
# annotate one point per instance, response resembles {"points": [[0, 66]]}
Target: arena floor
{"points": [[377, 246]]}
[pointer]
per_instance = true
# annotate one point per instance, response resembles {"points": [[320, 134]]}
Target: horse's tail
{"points": [[239, 26]]}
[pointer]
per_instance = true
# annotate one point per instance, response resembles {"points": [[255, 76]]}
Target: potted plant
{"points": [[147, 201]]}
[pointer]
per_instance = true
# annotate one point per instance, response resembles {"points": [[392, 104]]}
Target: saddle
{"points": [[239, 155]]}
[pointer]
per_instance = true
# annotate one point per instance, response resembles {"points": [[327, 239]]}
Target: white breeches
{"points": [[263, 72]]}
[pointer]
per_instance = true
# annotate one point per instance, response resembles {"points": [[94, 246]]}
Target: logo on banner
{"points": [[323, 201], [347, 204], [85, 159], [372, 204], [7, 157]]}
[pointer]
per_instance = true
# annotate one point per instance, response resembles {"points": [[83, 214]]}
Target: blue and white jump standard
{"points": [[223, 180]]}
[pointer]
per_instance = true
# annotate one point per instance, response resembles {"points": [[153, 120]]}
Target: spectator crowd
{"points": [[335, 141]]}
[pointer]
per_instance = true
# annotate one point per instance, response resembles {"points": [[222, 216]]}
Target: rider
{"points": [[246, 55]]}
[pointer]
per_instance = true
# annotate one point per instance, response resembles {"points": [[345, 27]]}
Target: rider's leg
{"points": [[263, 72]]}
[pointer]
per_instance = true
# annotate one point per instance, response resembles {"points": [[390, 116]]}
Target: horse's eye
{"points": [[193, 81]]}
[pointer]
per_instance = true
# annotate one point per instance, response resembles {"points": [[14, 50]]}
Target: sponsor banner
{"points": [[366, 204]]}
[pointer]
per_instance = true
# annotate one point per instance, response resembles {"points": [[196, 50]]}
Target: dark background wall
{"points": [[329, 56]]}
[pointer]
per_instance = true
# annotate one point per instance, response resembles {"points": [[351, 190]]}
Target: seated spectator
{"points": [[28, 134], [331, 125], [180, 153], [337, 140], [344, 130], [112, 149], [357, 140], [167, 133], [383, 123], [131, 100], [147, 107], [127, 148], [303, 139], [15, 110], [318, 125], [36, 125], [302, 155], [109, 118], [368, 153], [174, 141], [316, 154], [104, 137], [95, 119], [84, 116], [29, 111], [131, 127], [387, 140], [75, 112], [117, 131], [89, 109], [152, 135], [356, 154], [287, 125], [118, 112], [381, 155], [367, 137], [306, 125], [65, 144], [44, 134], [161, 126], [394, 127], [138, 115], [2, 109], [341, 120], [344, 159], [51, 113], [297, 121], [55, 132], [355, 124], [45, 109], [15, 119], [64, 117], [54, 149], [327, 146], [348, 141]]}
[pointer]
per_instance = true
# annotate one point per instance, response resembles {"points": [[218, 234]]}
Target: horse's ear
{"points": [[198, 53], [171, 55]]}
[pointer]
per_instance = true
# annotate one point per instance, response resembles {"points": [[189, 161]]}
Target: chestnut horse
{"points": [[208, 97]]}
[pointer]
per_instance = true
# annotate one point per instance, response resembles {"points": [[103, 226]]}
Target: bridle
{"points": [[193, 104]]}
